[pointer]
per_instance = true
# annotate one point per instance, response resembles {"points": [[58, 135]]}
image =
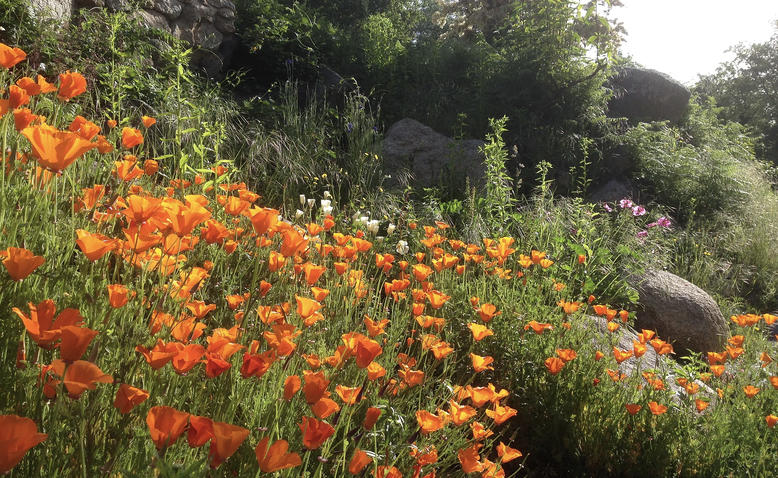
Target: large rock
{"points": [[679, 312], [614, 190], [643, 95], [412, 147], [59, 10]]}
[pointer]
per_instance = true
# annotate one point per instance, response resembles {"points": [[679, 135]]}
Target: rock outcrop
{"points": [[411, 147], [643, 95], [680, 313], [207, 25]]}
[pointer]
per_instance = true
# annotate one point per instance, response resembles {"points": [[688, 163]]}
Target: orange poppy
{"points": [[460, 413], [276, 457], [17, 434], [771, 421], [150, 167], [131, 137], [656, 408], [480, 432], [41, 325], [701, 405], [348, 395], [291, 386], [566, 354], [159, 355], [538, 328], [487, 312], [20, 263], [714, 357], [256, 365], [185, 218], [661, 347], [421, 272], [81, 376], [632, 408], [226, 440], [481, 363], [750, 391], [75, 340], [479, 331], [263, 219], [128, 397], [10, 57], [428, 422], [215, 365], [375, 371], [55, 150], [200, 430], [148, 121], [371, 417], [325, 407], [17, 97], [554, 365], [315, 432], [507, 453], [70, 85], [166, 424], [23, 118], [358, 462], [469, 459], [734, 352], [500, 414], [127, 170], [315, 386], [188, 356], [118, 295], [92, 245], [622, 355], [84, 128]]}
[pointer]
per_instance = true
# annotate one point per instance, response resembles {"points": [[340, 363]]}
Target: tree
{"points": [[746, 90]]}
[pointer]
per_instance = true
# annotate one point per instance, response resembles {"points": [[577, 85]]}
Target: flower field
{"points": [[163, 320]]}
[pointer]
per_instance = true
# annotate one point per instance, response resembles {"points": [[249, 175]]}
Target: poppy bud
{"points": [[150, 167], [21, 355]]}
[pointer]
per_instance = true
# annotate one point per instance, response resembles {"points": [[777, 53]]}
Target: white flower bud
{"points": [[298, 213], [311, 202], [402, 247], [390, 229], [302, 199]]}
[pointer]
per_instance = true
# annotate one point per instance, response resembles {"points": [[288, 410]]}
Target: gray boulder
{"points": [[614, 190], [680, 313], [59, 10], [643, 95], [412, 148]]}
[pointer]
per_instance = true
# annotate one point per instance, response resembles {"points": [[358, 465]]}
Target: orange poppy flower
{"points": [[263, 219], [81, 376], [701, 405], [487, 312], [185, 218], [714, 357], [621, 355], [538, 328], [480, 432], [200, 430], [554, 365], [17, 97], [92, 245], [375, 371], [166, 424], [188, 356], [17, 434], [148, 121], [41, 325], [10, 57], [656, 408], [128, 397], [20, 263], [661, 347], [507, 453], [325, 407], [428, 422], [734, 352], [215, 365], [118, 295], [750, 391], [315, 432], [358, 462], [227, 439], [159, 355], [632, 408], [598, 355], [348, 395], [771, 421], [371, 417], [291, 386], [501, 414], [315, 386], [375, 328], [55, 150], [70, 85], [306, 307], [75, 340], [421, 272], [256, 365], [481, 363], [479, 331], [460, 413], [276, 457], [469, 459], [131, 137], [566, 354]]}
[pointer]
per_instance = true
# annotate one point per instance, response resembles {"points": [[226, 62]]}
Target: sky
{"points": [[685, 37]]}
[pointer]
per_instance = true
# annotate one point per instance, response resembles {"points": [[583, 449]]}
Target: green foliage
{"points": [[745, 89]]}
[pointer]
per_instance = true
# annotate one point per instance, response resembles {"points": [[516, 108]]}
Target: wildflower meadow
{"points": [[162, 318]]}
